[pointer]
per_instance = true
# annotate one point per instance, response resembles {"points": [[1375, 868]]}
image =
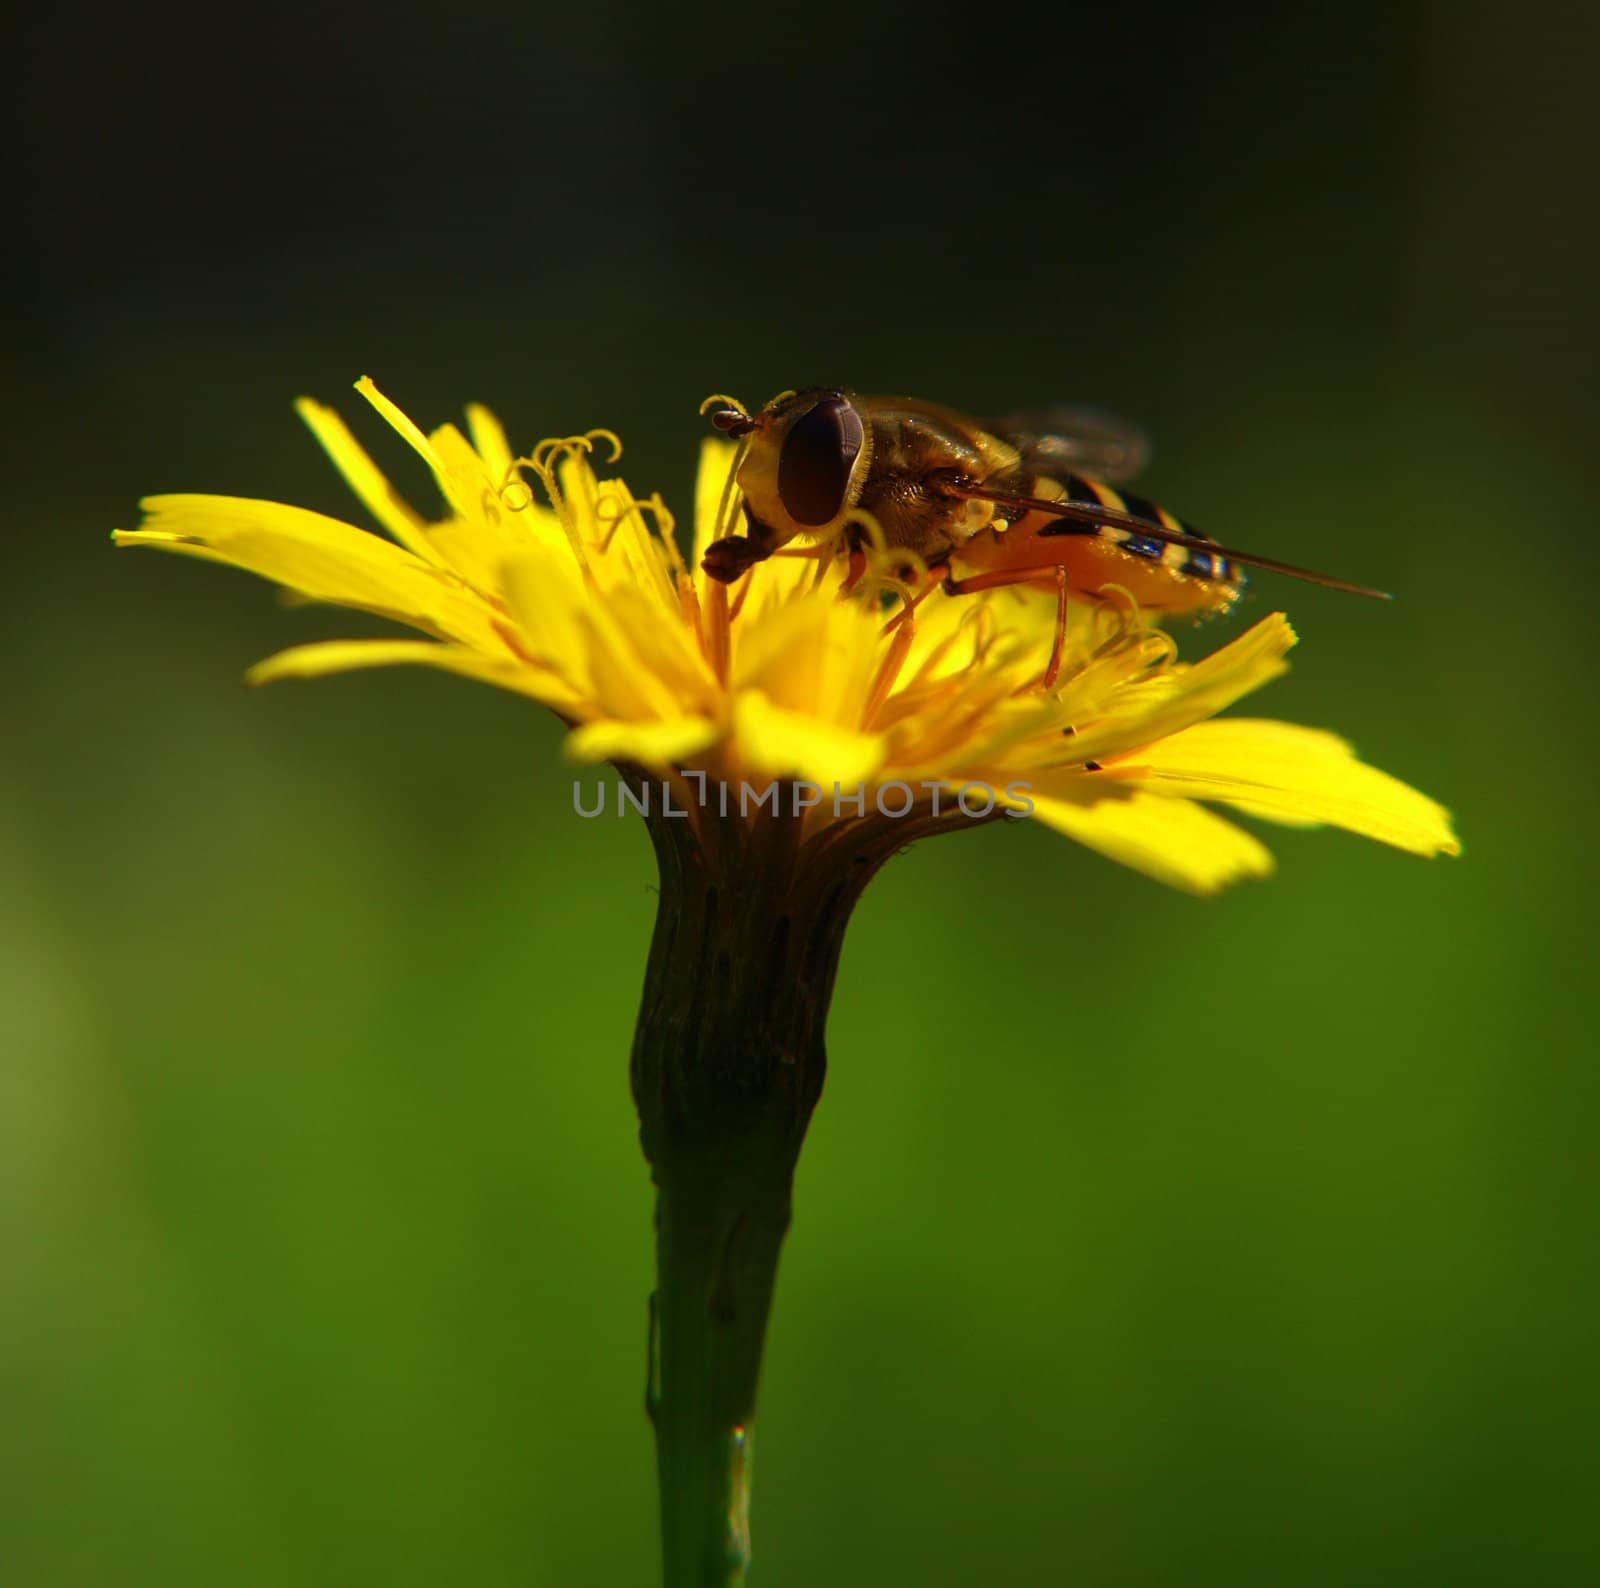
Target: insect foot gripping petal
{"points": [[727, 559]]}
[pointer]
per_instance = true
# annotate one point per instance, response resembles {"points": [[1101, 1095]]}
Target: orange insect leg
{"points": [[935, 579], [1000, 578], [858, 567]]}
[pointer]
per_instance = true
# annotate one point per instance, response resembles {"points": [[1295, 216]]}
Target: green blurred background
{"points": [[1140, 1240]]}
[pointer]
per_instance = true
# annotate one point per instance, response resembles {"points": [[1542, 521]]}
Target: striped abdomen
{"points": [[1097, 556], [1186, 561]]}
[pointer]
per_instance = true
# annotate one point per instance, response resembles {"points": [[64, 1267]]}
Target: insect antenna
{"points": [[1092, 517]]}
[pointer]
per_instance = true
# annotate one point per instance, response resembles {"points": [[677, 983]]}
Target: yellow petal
{"points": [[348, 656], [318, 557], [457, 469], [809, 653], [655, 744], [1300, 775], [554, 609], [716, 460], [1173, 840], [405, 427], [489, 438], [775, 740], [365, 478], [465, 482], [1171, 702], [632, 557]]}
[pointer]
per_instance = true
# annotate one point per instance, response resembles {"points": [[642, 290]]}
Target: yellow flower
{"points": [[587, 605]]}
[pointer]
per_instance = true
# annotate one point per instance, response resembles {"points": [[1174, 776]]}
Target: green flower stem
{"points": [[728, 1063], [718, 1237]]}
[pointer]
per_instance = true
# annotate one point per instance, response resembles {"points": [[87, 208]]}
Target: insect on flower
{"points": [[584, 603], [1032, 500]]}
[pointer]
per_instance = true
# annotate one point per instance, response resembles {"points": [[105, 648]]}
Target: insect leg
{"points": [[1053, 667], [999, 578], [856, 571], [907, 616]]}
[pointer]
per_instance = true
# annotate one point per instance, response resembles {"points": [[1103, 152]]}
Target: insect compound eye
{"points": [[819, 451]]}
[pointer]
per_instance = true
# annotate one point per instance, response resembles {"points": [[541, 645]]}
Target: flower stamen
{"points": [[727, 503], [716, 629], [1118, 609], [516, 495], [542, 460], [888, 674], [689, 605], [611, 514], [739, 600], [935, 578], [874, 531]]}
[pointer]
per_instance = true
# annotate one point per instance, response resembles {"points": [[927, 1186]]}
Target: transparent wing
{"points": [[1093, 518], [1076, 439]]}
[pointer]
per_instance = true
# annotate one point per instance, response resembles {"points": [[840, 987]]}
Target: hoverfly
{"points": [[1032, 500]]}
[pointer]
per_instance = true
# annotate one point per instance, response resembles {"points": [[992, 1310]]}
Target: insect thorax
{"points": [[911, 454]]}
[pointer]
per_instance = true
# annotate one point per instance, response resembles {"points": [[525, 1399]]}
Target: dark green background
{"points": [[1140, 1240]]}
